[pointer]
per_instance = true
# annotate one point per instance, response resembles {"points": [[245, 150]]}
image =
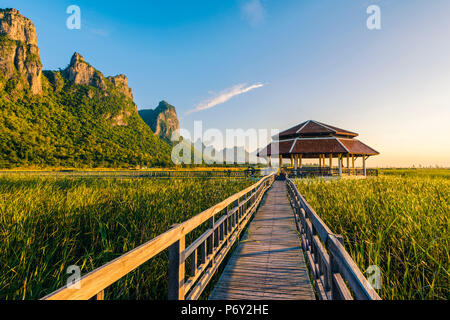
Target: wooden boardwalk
{"points": [[268, 263]]}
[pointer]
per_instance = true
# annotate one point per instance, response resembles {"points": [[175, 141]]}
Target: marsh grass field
{"points": [[398, 221], [49, 223], [424, 173]]}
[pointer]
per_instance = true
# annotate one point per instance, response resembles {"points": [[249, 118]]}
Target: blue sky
{"points": [[286, 62]]}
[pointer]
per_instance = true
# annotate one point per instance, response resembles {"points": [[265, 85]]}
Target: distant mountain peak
{"points": [[81, 72], [76, 57], [164, 105], [163, 120]]}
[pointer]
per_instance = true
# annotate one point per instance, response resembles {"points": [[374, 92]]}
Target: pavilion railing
{"points": [[226, 221], [336, 275], [328, 171]]}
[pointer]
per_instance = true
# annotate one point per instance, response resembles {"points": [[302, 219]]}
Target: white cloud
{"points": [[224, 96], [253, 11], [100, 32]]}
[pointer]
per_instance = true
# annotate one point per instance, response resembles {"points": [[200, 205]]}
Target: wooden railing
{"points": [[247, 173], [327, 171], [336, 276], [226, 219]]}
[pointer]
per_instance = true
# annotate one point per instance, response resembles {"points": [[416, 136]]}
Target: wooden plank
{"points": [[269, 262], [340, 288]]}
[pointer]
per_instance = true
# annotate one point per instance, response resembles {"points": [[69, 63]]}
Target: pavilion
{"points": [[315, 140]]}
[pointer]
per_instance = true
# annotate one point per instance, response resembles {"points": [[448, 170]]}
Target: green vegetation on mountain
{"points": [[75, 125], [74, 117]]}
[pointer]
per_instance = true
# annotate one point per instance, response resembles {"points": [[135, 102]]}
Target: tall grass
{"points": [[399, 223], [47, 224], [420, 172]]}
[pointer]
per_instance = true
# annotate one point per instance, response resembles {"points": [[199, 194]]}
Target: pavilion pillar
{"points": [[353, 163], [295, 162], [281, 161], [292, 160], [270, 161], [340, 164], [364, 165], [331, 160], [300, 161]]}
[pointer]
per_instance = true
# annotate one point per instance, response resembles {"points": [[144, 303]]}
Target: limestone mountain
{"points": [[20, 63], [121, 83], [162, 120], [81, 72], [72, 117]]}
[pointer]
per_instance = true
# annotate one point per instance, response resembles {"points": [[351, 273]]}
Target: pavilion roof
{"points": [[315, 128], [312, 147], [312, 138]]}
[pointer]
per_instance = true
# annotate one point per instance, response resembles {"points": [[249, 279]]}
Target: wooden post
{"points": [[101, 295], [364, 165], [270, 161], [340, 164], [281, 161], [348, 161], [300, 161], [176, 270], [331, 160], [237, 213], [203, 252], [194, 263], [292, 160], [296, 162], [210, 246]]}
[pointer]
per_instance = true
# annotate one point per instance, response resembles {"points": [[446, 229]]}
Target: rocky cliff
{"points": [[20, 63], [71, 117], [81, 72], [121, 83], [163, 120]]}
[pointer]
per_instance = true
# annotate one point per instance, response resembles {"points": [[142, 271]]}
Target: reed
{"points": [[50, 223], [400, 223]]}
